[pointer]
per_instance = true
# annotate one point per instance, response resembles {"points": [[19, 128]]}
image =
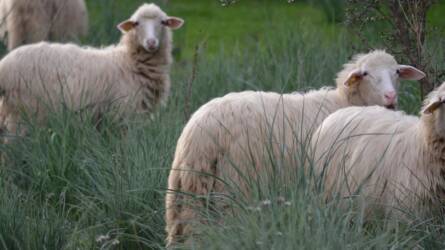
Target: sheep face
{"points": [[435, 109], [149, 25], [376, 79]]}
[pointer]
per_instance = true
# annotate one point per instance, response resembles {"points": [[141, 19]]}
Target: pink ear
{"points": [[173, 22], [354, 77], [126, 26], [407, 72]]}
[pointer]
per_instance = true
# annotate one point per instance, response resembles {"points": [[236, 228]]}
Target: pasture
{"points": [[69, 185]]}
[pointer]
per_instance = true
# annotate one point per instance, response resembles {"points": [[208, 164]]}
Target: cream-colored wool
{"points": [[31, 21], [242, 131], [392, 160], [45, 76]]}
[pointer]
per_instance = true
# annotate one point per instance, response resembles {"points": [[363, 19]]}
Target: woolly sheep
{"points": [[133, 75], [31, 21], [239, 128], [390, 159]]}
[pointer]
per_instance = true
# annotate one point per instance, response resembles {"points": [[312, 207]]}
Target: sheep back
{"points": [[376, 153], [65, 74]]}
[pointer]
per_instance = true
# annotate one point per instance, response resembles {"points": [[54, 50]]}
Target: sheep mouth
{"points": [[152, 50], [391, 106]]}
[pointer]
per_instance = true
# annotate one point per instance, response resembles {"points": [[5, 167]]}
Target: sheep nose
{"points": [[390, 96], [151, 43]]}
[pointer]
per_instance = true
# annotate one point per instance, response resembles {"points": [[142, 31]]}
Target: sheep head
{"points": [[434, 112], [375, 78], [148, 24]]}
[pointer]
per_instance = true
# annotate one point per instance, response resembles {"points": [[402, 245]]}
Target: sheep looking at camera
{"points": [[133, 75], [31, 21], [391, 161], [242, 131]]}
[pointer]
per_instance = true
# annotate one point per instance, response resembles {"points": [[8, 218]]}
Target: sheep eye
{"points": [[365, 73], [136, 24], [398, 72], [164, 22]]}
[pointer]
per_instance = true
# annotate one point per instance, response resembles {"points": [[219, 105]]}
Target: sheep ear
{"points": [[432, 106], [173, 22], [407, 72], [354, 78], [126, 26]]}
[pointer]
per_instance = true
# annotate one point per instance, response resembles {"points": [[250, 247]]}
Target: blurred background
{"points": [[225, 24], [291, 28]]}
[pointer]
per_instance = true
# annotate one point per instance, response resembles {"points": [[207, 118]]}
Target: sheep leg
{"points": [[185, 199], [16, 31]]}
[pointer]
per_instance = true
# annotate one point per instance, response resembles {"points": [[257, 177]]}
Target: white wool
{"points": [[391, 159], [244, 129], [31, 21], [49, 75]]}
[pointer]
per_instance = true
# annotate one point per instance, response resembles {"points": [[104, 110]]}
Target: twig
{"points": [[189, 84]]}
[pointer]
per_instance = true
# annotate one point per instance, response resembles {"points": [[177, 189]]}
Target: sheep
{"points": [[31, 21], [235, 132], [392, 162], [132, 75]]}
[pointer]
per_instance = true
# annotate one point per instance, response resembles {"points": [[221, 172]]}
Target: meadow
{"points": [[69, 185]]}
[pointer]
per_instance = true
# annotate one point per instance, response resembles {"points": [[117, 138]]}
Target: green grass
{"points": [[68, 185], [248, 21]]}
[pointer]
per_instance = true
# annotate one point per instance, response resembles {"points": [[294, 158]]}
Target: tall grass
{"points": [[69, 185]]}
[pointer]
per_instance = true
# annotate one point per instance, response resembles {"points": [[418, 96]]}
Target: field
{"points": [[68, 185]]}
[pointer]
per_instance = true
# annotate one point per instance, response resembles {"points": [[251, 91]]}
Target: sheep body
{"points": [[391, 159], [232, 133], [242, 132], [125, 76], [30, 21]]}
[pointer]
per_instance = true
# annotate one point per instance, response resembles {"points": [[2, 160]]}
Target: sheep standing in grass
{"points": [[133, 75], [242, 131], [30, 21], [392, 160]]}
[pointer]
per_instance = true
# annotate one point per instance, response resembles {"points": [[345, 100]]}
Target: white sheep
{"points": [[240, 131], [31, 21], [391, 162], [132, 75]]}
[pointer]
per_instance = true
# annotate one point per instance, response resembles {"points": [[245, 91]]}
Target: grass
{"points": [[249, 21], [68, 185]]}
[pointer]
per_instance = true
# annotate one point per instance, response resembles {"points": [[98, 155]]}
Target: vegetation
{"points": [[68, 185], [403, 27]]}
